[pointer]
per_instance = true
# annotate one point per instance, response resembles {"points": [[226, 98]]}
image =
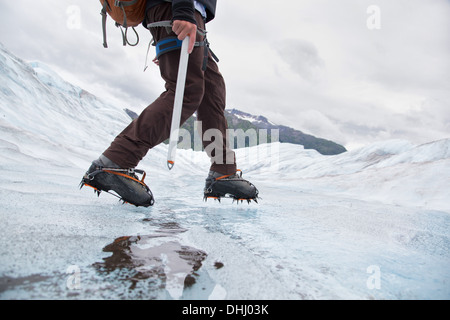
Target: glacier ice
{"points": [[324, 225]]}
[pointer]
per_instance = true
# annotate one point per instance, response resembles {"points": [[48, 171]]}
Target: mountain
{"points": [[245, 121], [239, 119], [38, 106], [371, 223]]}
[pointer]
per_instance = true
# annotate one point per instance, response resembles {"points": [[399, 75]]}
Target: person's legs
{"points": [[153, 125], [211, 113], [204, 93]]}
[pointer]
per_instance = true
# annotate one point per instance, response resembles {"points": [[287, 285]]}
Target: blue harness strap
{"points": [[172, 43], [167, 45]]}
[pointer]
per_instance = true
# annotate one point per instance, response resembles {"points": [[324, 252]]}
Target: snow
{"points": [[247, 118], [371, 223], [251, 118]]}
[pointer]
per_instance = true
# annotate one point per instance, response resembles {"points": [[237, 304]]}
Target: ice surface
{"points": [[372, 223]]}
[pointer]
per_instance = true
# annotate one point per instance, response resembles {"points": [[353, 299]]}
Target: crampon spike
{"points": [[238, 200]]}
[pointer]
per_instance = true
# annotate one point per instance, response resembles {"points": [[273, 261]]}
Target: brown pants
{"points": [[204, 93]]}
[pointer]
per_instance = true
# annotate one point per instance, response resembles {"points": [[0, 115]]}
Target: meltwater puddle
{"points": [[157, 262]]}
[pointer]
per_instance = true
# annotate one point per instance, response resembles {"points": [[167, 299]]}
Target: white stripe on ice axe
{"points": [[178, 103]]}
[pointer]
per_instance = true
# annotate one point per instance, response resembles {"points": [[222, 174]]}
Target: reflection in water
{"points": [[153, 263]]}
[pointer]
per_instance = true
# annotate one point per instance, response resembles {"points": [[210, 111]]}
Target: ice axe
{"points": [[178, 103]]}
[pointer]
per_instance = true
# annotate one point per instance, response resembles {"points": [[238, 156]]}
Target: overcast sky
{"points": [[352, 71]]}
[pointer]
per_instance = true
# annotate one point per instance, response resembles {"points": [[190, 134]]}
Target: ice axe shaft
{"points": [[178, 103]]}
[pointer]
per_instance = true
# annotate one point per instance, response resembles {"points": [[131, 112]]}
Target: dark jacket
{"points": [[184, 9]]}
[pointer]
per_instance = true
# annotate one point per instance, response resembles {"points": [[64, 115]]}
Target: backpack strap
{"points": [[121, 5], [125, 36], [104, 16]]}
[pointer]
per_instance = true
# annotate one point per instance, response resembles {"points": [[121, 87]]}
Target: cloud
{"points": [[68, 37], [302, 56]]}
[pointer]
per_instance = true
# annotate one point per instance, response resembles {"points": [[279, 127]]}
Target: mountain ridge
{"points": [[41, 78], [245, 121], [290, 135]]}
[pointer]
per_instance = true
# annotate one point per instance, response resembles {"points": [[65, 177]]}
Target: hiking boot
{"points": [[230, 186], [105, 175]]}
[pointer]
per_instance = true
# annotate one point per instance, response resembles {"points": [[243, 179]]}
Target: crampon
{"points": [[121, 183], [229, 186], [229, 196]]}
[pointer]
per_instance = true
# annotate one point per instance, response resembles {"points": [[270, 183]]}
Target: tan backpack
{"points": [[126, 13]]}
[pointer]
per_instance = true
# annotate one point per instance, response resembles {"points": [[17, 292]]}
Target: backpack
{"points": [[126, 13]]}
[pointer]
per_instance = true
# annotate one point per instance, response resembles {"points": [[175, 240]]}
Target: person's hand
{"points": [[185, 28]]}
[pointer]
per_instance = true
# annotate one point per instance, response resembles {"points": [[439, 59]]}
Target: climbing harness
{"points": [[172, 43]]}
